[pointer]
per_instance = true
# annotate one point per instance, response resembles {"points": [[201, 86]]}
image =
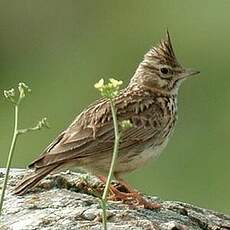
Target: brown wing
{"points": [[92, 132]]}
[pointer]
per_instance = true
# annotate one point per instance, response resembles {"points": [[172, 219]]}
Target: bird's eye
{"points": [[164, 70]]}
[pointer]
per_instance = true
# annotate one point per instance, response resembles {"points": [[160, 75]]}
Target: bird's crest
{"points": [[163, 52]]}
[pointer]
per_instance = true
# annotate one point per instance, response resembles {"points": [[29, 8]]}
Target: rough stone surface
{"points": [[68, 202]]}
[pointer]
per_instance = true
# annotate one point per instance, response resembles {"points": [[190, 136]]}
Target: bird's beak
{"points": [[188, 72]]}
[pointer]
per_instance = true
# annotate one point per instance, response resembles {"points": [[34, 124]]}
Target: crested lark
{"points": [[149, 102]]}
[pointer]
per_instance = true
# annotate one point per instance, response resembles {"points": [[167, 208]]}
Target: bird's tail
{"points": [[31, 180]]}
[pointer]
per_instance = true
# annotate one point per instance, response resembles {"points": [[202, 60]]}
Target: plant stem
{"points": [[114, 157], [11, 151]]}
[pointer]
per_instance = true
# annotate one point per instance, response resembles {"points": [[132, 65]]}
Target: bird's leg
{"points": [[103, 180], [125, 193], [133, 195], [116, 194]]}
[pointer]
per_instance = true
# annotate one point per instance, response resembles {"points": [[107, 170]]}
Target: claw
{"points": [[123, 192]]}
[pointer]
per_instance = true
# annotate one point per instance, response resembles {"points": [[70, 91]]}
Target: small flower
{"points": [[23, 89], [115, 83], [16, 97], [43, 123], [109, 90], [126, 124], [10, 95], [99, 85]]}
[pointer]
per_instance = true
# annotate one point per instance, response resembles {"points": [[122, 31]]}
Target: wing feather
{"points": [[79, 142]]}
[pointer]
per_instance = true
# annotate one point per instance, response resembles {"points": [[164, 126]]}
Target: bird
{"points": [[149, 102]]}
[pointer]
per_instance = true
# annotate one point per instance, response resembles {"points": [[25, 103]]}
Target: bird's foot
{"points": [[132, 198], [121, 191]]}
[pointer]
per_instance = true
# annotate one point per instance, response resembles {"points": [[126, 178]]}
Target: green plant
{"points": [[15, 97], [110, 91]]}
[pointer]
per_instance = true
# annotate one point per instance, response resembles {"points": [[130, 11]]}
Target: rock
{"points": [[67, 201]]}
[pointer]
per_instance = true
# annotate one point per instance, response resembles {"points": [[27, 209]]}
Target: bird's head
{"points": [[160, 68]]}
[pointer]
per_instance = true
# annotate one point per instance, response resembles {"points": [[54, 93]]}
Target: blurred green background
{"points": [[61, 48]]}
